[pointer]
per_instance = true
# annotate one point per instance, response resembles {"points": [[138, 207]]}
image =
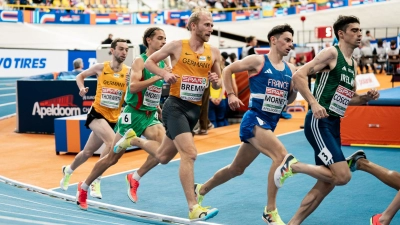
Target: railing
{"points": [[377, 32]]}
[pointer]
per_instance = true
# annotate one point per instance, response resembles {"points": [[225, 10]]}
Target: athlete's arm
{"points": [[234, 85], [250, 63], [292, 91], [136, 83], [326, 58], [151, 63], [95, 69], [364, 98], [215, 69]]}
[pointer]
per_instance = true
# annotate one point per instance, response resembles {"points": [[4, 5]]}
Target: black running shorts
{"points": [[179, 116], [93, 114]]}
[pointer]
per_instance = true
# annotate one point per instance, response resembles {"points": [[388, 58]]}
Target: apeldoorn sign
{"points": [[25, 63]]}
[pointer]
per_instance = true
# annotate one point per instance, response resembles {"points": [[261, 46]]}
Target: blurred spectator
{"points": [[232, 57], [1, 4], [203, 4], [366, 51], [251, 43], [380, 55], [78, 65], [191, 4], [108, 40], [303, 61], [393, 57], [224, 58], [357, 57]]}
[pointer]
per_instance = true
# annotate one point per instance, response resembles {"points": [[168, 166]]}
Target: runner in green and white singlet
{"points": [[334, 91], [142, 98]]}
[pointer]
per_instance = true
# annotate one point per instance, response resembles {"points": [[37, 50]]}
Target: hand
{"points": [[83, 91], [217, 101], [168, 68], [171, 78], [213, 77], [319, 112], [159, 113], [234, 102], [372, 94]]}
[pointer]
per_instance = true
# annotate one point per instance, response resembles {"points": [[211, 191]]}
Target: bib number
{"points": [[111, 97], [341, 100], [152, 96], [126, 118], [274, 100], [325, 155], [192, 88]]}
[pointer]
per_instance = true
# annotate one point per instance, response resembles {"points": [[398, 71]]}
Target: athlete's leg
{"points": [[244, 157], [155, 133], [268, 144], [93, 143], [389, 177], [311, 201], [387, 216]]}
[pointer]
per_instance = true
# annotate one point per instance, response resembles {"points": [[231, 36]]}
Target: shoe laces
{"points": [[134, 184]]}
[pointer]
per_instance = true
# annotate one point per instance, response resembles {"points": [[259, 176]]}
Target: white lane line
{"points": [[10, 94], [8, 88], [5, 104], [7, 116], [26, 221]]}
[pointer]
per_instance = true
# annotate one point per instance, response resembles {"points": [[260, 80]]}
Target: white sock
{"points": [[136, 176], [84, 186], [68, 169]]}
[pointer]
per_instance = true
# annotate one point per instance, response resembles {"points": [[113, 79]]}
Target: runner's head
{"points": [[154, 38], [281, 39], [347, 29], [119, 49], [201, 24]]}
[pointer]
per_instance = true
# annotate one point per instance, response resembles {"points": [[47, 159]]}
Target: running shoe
{"points": [[284, 170], [65, 180], [375, 219], [352, 159], [202, 213], [199, 197], [125, 141], [272, 217], [95, 191], [81, 197], [132, 185]]}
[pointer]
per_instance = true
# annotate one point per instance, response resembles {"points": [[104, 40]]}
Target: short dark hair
{"points": [[115, 41], [343, 22], [393, 42], [224, 55], [367, 32], [280, 29], [149, 32], [379, 42], [232, 56], [249, 39]]}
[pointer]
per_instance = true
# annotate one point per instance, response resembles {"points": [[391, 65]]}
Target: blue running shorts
{"points": [[253, 118], [324, 137]]}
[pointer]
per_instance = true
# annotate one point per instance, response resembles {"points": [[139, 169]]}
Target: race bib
{"points": [[192, 88], [325, 155], [126, 118], [274, 100], [152, 96], [341, 100], [111, 97]]}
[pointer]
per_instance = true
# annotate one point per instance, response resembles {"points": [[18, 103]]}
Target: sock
{"points": [[84, 186], [136, 176], [68, 169]]}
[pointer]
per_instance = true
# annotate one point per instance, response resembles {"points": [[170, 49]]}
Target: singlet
{"points": [[269, 90], [149, 98], [193, 71], [334, 89], [110, 92]]}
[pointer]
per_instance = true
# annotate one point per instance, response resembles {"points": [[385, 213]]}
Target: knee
{"points": [[163, 160], [235, 170], [111, 159], [87, 154], [342, 179]]}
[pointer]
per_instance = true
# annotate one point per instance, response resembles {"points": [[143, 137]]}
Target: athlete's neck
{"points": [[115, 66], [346, 49], [274, 57], [196, 45], [149, 52]]}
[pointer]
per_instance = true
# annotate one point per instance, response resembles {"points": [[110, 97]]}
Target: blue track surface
{"points": [[7, 96], [240, 201]]}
